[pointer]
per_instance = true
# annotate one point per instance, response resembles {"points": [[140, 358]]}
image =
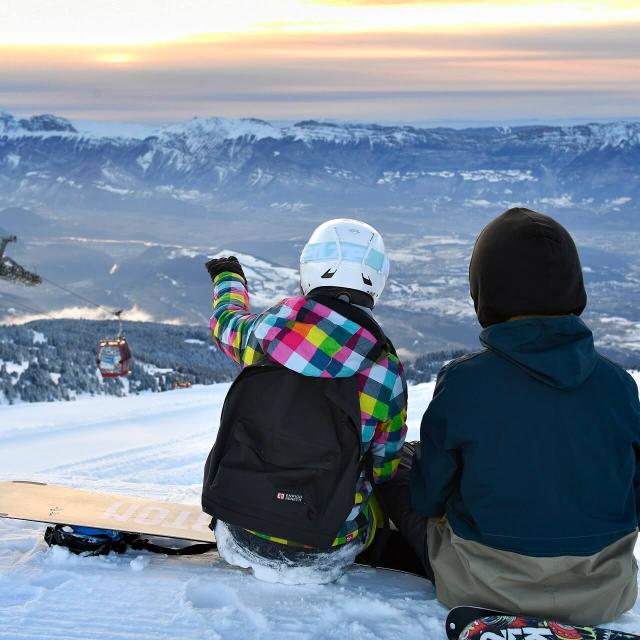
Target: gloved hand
{"points": [[218, 265]]}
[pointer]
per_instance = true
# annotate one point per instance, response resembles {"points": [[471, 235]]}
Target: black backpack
{"points": [[287, 455]]}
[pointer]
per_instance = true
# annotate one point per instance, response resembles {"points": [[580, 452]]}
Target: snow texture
{"points": [[320, 569], [154, 445]]}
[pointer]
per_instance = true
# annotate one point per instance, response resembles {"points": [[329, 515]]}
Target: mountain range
{"points": [[126, 218], [210, 163]]}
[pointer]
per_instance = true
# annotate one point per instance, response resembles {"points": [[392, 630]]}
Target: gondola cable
{"points": [[81, 297], [23, 307], [114, 355]]}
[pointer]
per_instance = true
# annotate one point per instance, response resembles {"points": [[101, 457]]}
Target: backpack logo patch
{"points": [[285, 496]]}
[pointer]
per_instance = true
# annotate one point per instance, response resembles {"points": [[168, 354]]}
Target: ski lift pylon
{"points": [[11, 270], [114, 355]]}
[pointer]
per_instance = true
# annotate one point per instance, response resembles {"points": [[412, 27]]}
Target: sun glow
{"points": [[116, 58], [142, 22], [149, 61]]}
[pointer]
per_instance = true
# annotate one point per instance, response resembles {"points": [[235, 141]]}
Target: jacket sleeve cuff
{"points": [[225, 266]]}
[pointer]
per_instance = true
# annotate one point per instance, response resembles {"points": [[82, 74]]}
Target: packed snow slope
{"points": [[154, 445]]}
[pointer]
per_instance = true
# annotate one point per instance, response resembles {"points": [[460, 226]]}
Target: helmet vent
{"points": [[366, 280], [328, 273]]}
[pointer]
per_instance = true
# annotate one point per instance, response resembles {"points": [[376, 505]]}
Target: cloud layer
{"points": [[541, 73]]}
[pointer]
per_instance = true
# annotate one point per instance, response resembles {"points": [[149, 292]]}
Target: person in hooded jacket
{"points": [[524, 493], [328, 331]]}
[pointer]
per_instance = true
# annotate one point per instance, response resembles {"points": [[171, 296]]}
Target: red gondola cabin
{"points": [[113, 358]]}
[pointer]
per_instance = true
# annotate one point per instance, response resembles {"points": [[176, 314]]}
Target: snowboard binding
{"points": [[93, 542], [101, 542]]}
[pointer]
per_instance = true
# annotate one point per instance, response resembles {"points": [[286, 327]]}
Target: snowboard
{"points": [[53, 504], [58, 505], [476, 623]]}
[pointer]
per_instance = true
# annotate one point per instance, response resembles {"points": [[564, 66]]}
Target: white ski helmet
{"points": [[345, 254]]}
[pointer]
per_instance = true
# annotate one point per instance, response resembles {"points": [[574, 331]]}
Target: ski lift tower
{"points": [[11, 270]]}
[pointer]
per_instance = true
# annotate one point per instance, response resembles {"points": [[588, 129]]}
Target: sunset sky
{"points": [[367, 60]]}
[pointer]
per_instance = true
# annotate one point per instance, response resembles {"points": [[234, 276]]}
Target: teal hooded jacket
{"points": [[532, 445]]}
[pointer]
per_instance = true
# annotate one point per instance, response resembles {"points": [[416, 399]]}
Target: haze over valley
{"points": [[128, 219]]}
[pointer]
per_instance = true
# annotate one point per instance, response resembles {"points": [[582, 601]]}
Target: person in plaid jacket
{"points": [[312, 335]]}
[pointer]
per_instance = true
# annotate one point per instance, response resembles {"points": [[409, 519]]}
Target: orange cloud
{"points": [[119, 23], [365, 76]]}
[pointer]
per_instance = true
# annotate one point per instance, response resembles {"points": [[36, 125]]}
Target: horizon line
{"points": [[387, 122]]}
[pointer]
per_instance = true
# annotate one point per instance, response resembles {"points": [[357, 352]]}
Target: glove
{"points": [[218, 265]]}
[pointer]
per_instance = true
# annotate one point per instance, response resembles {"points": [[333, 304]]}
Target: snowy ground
{"points": [[154, 445]]}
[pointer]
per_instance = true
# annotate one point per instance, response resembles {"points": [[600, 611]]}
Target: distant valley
{"points": [[128, 222]]}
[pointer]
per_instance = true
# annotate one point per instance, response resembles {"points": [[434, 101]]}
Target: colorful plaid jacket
{"points": [[310, 338]]}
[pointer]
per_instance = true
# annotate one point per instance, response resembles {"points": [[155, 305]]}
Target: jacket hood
{"points": [[323, 337], [523, 264], [557, 351]]}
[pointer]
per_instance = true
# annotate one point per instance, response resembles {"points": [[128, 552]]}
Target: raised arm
{"points": [[231, 323]]}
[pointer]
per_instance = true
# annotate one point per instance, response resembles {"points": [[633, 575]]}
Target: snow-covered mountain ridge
{"points": [[35, 125], [219, 130], [209, 163]]}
